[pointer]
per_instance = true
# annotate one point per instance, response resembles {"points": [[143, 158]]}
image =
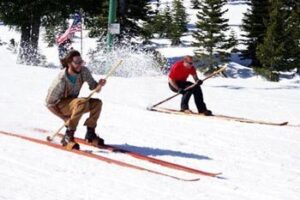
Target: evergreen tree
{"points": [[280, 50], [195, 4], [293, 43], [97, 25], [233, 41], [179, 22], [169, 23], [255, 26], [129, 13], [27, 15], [162, 23], [53, 26], [210, 36], [153, 17], [270, 52]]}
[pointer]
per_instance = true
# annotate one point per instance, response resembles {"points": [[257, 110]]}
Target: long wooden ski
{"points": [[216, 116], [144, 157], [91, 155]]}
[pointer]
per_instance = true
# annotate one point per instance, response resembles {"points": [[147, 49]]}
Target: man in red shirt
{"points": [[178, 75]]}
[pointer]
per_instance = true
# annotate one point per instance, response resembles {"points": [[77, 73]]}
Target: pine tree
{"points": [[195, 4], [27, 15], [179, 22], [293, 44], [169, 23], [129, 14], [270, 52], [280, 50], [53, 26], [233, 41], [162, 23], [255, 26], [97, 25], [210, 37]]}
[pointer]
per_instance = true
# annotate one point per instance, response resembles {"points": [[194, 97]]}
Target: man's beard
{"points": [[74, 70]]}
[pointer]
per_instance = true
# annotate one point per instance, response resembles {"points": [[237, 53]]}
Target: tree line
{"points": [[271, 33], [29, 16]]}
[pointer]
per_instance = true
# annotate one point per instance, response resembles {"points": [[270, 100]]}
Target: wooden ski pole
{"points": [[111, 71], [175, 95]]}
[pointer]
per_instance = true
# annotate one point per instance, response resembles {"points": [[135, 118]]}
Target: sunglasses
{"points": [[78, 62], [190, 63]]}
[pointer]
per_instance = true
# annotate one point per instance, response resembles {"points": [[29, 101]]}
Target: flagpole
{"points": [[81, 46], [112, 12]]}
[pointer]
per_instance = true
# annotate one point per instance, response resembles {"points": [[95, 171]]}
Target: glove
{"points": [[102, 82], [199, 82], [181, 91]]}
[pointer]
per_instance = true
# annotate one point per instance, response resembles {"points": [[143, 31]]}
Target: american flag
{"points": [[69, 33]]}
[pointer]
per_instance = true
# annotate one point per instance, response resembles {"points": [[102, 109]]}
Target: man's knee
{"points": [[81, 105], [96, 104]]}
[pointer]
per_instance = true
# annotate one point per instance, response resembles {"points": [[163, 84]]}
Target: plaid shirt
{"points": [[62, 87]]}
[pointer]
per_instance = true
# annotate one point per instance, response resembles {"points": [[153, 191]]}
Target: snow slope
{"points": [[257, 161]]}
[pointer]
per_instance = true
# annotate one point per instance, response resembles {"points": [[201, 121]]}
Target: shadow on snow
{"points": [[147, 151]]}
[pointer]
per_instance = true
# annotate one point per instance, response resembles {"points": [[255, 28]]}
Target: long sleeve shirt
{"points": [[62, 87]]}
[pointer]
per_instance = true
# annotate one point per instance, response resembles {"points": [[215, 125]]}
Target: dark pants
{"points": [[196, 91]]}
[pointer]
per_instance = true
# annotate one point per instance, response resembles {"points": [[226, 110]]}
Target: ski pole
{"points": [[110, 72], [175, 95]]}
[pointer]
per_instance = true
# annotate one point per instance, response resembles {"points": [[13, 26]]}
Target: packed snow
{"points": [[256, 161]]}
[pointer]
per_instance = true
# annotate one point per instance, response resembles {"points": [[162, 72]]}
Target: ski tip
{"points": [[49, 138], [284, 123], [149, 108], [216, 175], [221, 177], [193, 180]]}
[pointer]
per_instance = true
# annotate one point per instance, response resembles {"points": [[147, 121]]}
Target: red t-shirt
{"points": [[179, 72]]}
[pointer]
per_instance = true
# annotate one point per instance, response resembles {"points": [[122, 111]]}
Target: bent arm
{"points": [[87, 76], [196, 78]]}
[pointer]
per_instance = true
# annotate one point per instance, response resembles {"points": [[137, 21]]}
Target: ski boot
{"points": [[68, 140], [206, 112], [93, 138]]}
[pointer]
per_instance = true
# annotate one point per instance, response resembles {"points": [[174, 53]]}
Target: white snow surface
{"points": [[257, 161]]}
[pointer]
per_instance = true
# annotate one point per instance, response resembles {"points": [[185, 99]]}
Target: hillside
{"points": [[257, 162]]}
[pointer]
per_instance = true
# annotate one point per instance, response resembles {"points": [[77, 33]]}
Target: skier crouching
{"points": [[178, 83], [63, 101]]}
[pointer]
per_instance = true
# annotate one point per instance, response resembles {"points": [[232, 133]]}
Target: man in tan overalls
{"points": [[63, 101]]}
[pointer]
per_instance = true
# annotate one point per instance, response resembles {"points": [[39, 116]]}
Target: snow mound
{"points": [[235, 70]]}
